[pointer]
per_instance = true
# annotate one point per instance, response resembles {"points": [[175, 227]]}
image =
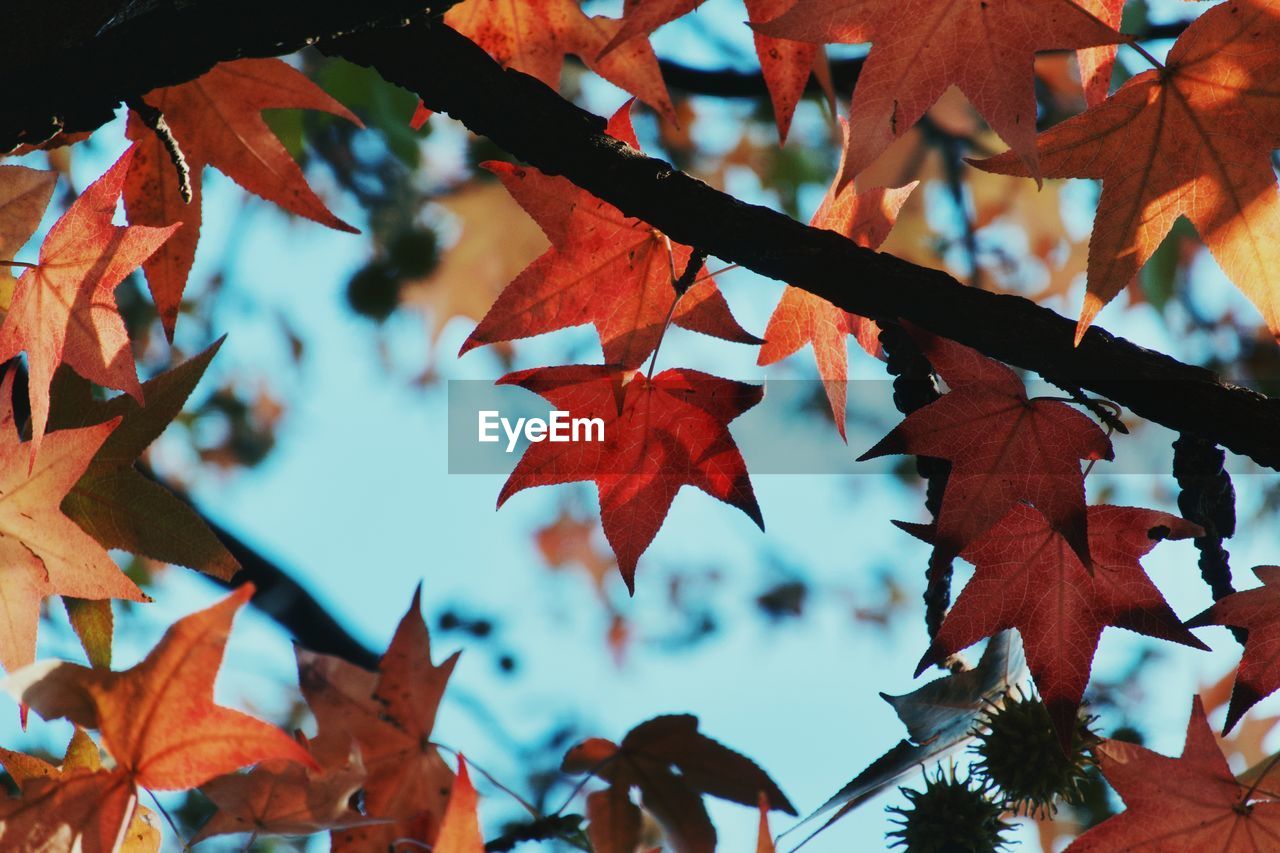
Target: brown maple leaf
{"points": [[921, 47], [1193, 138], [1189, 804], [217, 121], [389, 715]]}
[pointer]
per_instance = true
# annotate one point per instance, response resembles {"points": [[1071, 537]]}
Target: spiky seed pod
{"points": [[1019, 754], [950, 815]]}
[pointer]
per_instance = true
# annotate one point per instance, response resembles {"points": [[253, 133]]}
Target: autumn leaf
{"points": [[1257, 611], [1096, 63], [533, 36], [1191, 139], [114, 502], [24, 195], [1004, 449], [673, 765], [389, 715], [1191, 803], [659, 434], [570, 540], [802, 318], [63, 806], [460, 828], [64, 309], [602, 268], [157, 720], [1027, 576], [786, 64], [921, 47], [496, 240], [44, 551], [285, 798], [217, 122], [641, 17]]}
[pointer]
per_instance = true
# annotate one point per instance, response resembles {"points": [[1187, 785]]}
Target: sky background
{"points": [[357, 503]]}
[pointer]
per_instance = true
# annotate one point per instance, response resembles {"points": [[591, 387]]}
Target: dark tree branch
{"points": [[68, 64], [534, 123]]}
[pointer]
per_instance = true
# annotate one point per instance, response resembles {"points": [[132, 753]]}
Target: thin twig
{"points": [[154, 119], [492, 780], [160, 807]]}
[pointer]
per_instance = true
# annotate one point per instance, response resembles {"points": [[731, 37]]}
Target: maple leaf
{"points": [[460, 828], [1257, 611], [602, 268], [659, 434], [533, 36], [673, 765], [802, 318], [1191, 139], [157, 720], [64, 309], [217, 122], [44, 552], [1027, 576], [1096, 63], [1189, 803], [389, 715], [1003, 448], [922, 47], [116, 503], [24, 195], [284, 798], [83, 800], [570, 540], [496, 240], [785, 64], [641, 17]]}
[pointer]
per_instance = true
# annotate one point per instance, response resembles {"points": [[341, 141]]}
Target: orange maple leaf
{"points": [[44, 552], [533, 36], [1193, 139], [217, 121], [921, 47], [64, 309], [460, 828], [785, 64], [24, 194], [602, 268], [389, 715], [802, 318], [157, 720]]}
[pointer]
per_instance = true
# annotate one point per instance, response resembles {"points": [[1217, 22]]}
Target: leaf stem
{"points": [[492, 780], [716, 273], [168, 817], [1145, 54], [24, 264]]}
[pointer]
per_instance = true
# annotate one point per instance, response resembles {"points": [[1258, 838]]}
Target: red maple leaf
{"points": [[1004, 448], [1258, 612], [1096, 62], [802, 318], [921, 47], [1193, 138], [533, 36], [64, 309], [1027, 576], [659, 434], [217, 121], [786, 64], [1189, 804], [602, 268]]}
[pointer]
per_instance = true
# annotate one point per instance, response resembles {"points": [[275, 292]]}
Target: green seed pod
{"points": [[1019, 754], [950, 815]]}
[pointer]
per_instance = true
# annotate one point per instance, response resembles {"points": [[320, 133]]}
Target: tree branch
{"points": [[534, 123]]}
